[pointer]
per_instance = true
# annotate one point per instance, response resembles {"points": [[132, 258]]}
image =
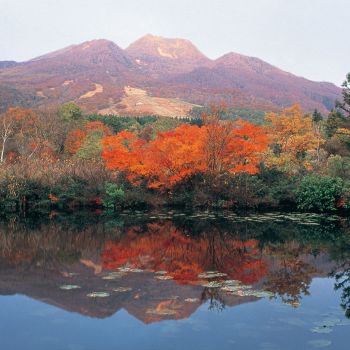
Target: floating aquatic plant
{"points": [[122, 289], [326, 325], [98, 295], [213, 284], [164, 278], [192, 300], [128, 269], [211, 274], [231, 283], [235, 288], [69, 287], [322, 329], [113, 275], [161, 312]]}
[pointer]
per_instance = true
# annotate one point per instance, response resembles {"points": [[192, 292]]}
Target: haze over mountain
{"points": [[155, 75]]}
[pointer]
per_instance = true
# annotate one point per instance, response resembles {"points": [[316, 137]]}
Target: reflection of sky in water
{"points": [[265, 324]]}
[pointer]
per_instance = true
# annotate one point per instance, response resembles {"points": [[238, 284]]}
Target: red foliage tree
{"points": [[214, 148]]}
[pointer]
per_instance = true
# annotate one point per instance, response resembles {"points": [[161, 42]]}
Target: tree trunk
{"points": [[2, 150]]}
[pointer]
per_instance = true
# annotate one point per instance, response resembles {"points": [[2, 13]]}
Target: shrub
{"points": [[40, 183], [114, 195], [320, 193]]}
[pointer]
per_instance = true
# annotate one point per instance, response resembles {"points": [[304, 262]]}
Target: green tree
{"points": [[317, 116], [70, 112], [337, 126], [339, 166], [91, 147], [335, 121], [344, 106]]}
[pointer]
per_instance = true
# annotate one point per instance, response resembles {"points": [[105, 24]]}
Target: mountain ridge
{"points": [[163, 68]]}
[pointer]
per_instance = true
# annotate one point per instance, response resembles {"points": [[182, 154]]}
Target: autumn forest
{"points": [[63, 159]]}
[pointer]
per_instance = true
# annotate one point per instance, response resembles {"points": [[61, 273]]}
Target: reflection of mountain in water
{"points": [[159, 270]]}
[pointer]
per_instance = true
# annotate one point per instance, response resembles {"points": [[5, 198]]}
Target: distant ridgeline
{"points": [[156, 76]]}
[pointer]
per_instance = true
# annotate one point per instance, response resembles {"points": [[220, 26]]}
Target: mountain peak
{"points": [[153, 46]]}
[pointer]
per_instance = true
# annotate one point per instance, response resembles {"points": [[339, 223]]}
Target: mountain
{"points": [[155, 75]]}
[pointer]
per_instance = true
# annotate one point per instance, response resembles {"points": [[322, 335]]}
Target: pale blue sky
{"points": [[306, 37]]}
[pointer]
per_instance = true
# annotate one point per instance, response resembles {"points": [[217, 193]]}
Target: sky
{"points": [[309, 38]]}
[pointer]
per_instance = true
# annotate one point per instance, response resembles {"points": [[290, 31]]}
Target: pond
{"points": [[173, 280]]}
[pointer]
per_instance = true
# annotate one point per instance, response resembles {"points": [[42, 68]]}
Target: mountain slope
{"points": [[71, 73], [268, 82], [96, 75], [7, 64]]}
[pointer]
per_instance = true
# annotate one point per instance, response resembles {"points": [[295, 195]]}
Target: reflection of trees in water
{"points": [[186, 248], [165, 248], [291, 245], [291, 281], [48, 245], [215, 299], [341, 253], [342, 283]]}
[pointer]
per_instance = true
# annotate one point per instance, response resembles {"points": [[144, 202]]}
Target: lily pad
{"points": [[69, 287], [122, 289], [322, 330], [164, 278], [192, 300], [98, 295], [231, 283], [213, 284], [211, 274], [113, 275], [263, 294], [246, 293], [161, 312], [128, 269], [235, 288], [328, 322]]}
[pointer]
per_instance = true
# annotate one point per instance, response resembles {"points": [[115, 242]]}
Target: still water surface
{"points": [[175, 281]]}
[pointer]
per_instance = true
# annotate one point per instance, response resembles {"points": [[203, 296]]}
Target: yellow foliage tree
{"points": [[293, 137]]}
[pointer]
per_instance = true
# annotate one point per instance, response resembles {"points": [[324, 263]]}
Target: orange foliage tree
{"points": [[233, 147], [214, 148]]}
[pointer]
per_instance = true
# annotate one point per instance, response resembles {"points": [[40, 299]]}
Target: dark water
{"points": [[175, 281]]}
